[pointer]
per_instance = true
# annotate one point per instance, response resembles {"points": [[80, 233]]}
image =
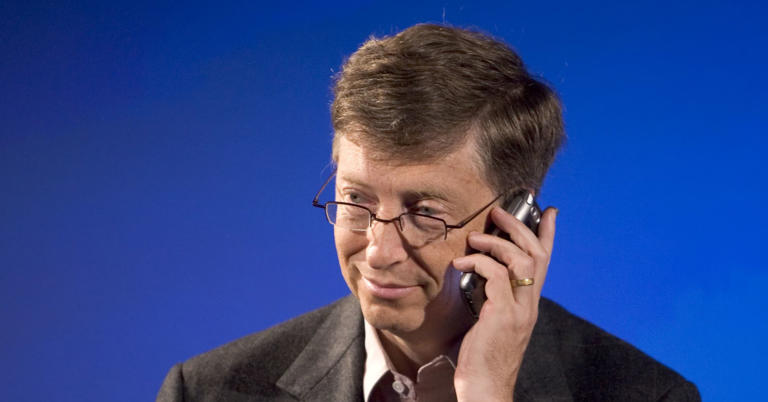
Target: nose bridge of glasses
{"points": [[398, 221]]}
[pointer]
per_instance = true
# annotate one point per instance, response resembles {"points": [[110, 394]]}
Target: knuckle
{"points": [[521, 323], [498, 272], [531, 266], [538, 253], [496, 248], [526, 319], [506, 255], [524, 268]]}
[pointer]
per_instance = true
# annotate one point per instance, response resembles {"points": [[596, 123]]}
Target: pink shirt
{"points": [[381, 383]]}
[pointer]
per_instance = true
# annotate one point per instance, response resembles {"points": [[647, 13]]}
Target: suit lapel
{"points": [[542, 377], [331, 365]]}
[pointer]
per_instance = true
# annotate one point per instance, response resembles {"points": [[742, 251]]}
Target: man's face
{"points": [[403, 288]]}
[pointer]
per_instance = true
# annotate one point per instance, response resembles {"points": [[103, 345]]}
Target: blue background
{"points": [[157, 163]]}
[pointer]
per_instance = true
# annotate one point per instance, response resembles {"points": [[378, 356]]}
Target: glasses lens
{"points": [[348, 216], [420, 229]]}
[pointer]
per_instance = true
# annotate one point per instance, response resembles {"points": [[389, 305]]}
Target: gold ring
{"points": [[521, 282]]}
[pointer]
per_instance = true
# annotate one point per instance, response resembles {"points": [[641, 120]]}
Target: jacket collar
{"points": [[332, 363], [541, 375]]}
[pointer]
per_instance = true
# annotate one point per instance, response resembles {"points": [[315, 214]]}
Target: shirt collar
{"points": [[377, 363]]}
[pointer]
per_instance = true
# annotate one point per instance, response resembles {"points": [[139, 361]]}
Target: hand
{"points": [[492, 350]]}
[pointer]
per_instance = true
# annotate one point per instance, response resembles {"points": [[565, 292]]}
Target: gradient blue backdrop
{"points": [[157, 163]]}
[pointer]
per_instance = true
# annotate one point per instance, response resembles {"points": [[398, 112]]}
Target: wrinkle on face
{"points": [[453, 179]]}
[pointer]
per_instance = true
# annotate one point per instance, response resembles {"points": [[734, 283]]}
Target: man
{"points": [[435, 128]]}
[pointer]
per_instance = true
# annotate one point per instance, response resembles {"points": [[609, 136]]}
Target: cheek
{"points": [[439, 258], [457, 246], [349, 245]]}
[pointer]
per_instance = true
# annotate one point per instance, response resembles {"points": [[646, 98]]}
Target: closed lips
{"points": [[388, 290]]}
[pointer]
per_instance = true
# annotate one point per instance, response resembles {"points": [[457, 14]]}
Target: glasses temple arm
{"points": [[473, 216], [317, 196]]}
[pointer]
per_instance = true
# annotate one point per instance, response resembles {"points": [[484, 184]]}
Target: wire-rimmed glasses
{"points": [[417, 229]]}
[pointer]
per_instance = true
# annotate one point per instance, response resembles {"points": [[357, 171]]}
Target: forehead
{"points": [[456, 175]]}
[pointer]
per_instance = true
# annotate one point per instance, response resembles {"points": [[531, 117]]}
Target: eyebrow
{"points": [[428, 194], [421, 194], [349, 179]]}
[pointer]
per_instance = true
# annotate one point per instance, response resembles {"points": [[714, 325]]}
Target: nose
{"points": [[385, 245]]}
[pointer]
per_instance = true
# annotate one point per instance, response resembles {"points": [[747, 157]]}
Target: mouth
{"points": [[389, 291]]}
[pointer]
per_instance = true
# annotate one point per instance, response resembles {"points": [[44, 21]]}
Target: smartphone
{"points": [[523, 207]]}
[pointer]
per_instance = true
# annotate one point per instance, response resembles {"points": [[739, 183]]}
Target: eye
{"points": [[355, 198], [424, 210]]}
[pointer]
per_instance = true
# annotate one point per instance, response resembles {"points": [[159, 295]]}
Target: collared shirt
{"points": [[381, 383]]}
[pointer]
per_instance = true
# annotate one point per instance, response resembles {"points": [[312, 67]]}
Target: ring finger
{"points": [[520, 266]]}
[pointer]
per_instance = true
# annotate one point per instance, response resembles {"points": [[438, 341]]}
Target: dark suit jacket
{"points": [[319, 356]]}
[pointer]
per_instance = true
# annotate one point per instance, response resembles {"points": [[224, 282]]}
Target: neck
{"points": [[409, 351]]}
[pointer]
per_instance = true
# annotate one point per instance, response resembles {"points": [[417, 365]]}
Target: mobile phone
{"points": [[522, 206]]}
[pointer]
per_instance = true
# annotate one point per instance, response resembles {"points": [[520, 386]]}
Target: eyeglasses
{"points": [[417, 229]]}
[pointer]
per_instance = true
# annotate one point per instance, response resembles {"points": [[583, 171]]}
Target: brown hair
{"points": [[424, 92]]}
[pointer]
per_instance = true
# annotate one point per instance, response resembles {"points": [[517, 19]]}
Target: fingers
{"points": [[509, 315], [520, 234], [527, 256], [515, 263], [497, 287], [546, 239], [504, 252], [539, 248], [547, 229]]}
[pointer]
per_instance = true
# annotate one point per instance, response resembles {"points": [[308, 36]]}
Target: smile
{"points": [[388, 291]]}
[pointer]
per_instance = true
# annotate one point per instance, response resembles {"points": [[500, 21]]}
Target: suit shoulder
{"points": [[600, 366], [254, 363]]}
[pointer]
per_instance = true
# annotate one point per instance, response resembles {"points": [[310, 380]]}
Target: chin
{"points": [[393, 318]]}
